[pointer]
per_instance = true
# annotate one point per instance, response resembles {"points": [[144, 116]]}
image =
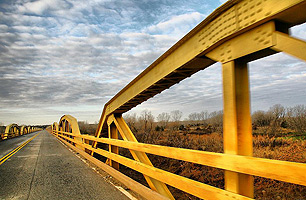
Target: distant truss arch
{"points": [[70, 124]]}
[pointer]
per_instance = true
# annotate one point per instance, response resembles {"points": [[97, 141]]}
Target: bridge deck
{"points": [[45, 169]]}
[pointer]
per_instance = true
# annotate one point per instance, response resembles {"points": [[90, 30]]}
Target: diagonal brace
{"points": [[142, 157]]}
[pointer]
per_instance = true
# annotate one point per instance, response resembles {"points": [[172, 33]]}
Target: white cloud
{"points": [[177, 25], [77, 55], [223, 1], [39, 7], [299, 31], [3, 28]]}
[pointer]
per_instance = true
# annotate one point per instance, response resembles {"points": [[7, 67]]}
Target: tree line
{"points": [[271, 122], [146, 121], [277, 118]]}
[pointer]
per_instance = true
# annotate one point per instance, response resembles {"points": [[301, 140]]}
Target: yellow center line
{"points": [[7, 156]]}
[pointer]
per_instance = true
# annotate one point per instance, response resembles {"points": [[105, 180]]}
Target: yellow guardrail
{"points": [[238, 32], [290, 172]]}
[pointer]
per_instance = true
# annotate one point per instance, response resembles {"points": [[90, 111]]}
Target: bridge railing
{"points": [[238, 32], [290, 172]]}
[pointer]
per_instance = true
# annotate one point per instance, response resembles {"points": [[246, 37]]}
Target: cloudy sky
{"points": [[70, 57]]}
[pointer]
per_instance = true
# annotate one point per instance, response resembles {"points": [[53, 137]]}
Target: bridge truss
{"points": [[236, 33]]}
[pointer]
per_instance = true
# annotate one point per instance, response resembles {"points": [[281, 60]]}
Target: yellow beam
{"points": [[68, 119], [292, 46], [237, 126], [11, 130], [127, 181], [290, 172], [113, 134], [55, 126], [127, 135], [247, 43], [236, 30], [230, 20], [195, 188]]}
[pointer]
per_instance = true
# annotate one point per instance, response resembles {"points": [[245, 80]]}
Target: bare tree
{"points": [[176, 115], [192, 117], [198, 117], [204, 115], [278, 112], [131, 120], [261, 118], [216, 120], [297, 118], [147, 119], [163, 119]]}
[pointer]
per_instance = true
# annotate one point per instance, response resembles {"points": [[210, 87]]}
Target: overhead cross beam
{"points": [[188, 55]]}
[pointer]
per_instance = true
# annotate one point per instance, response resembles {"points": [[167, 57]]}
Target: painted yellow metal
{"points": [[101, 125], [11, 130], [54, 126], [68, 122], [237, 125], [290, 45], [195, 188], [7, 128], [230, 20], [127, 181], [22, 132], [252, 41], [234, 34], [127, 135], [272, 169], [113, 134]]}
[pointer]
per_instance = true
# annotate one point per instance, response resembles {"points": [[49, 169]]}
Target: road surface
{"points": [[45, 169]]}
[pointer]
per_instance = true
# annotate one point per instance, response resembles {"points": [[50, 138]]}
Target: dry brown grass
{"points": [[278, 148], [86, 128], [264, 147]]}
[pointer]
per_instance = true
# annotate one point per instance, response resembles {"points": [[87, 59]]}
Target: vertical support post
{"points": [[113, 134], [63, 128], [237, 125]]}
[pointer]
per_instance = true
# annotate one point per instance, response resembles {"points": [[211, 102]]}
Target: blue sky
{"points": [[70, 57]]}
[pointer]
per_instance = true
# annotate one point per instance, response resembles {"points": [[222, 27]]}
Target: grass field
{"points": [[286, 145], [278, 148]]}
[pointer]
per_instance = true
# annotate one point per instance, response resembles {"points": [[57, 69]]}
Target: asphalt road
{"points": [[45, 169], [8, 145]]}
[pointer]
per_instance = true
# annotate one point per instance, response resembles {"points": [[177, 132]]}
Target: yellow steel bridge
{"points": [[236, 33], [13, 130]]}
